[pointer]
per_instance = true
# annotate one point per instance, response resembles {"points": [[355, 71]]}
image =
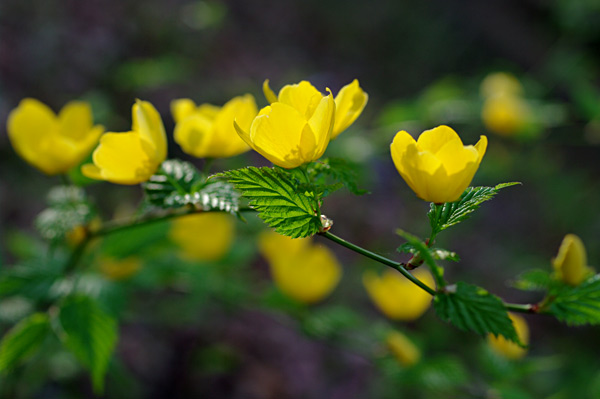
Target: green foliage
{"points": [[90, 334], [578, 305], [179, 183], [436, 253], [68, 208], [534, 280], [23, 340], [471, 308], [442, 216], [278, 198], [343, 173], [31, 281]]}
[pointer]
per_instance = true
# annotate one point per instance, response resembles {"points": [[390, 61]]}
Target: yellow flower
{"points": [[505, 114], [396, 297], [53, 144], [305, 272], [403, 348], [207, 131], [500, 83], [349, 102], [507, 348], [571, 262], [294, 130], [437, 167], [131, 157], [120, 269], [203, 236]]}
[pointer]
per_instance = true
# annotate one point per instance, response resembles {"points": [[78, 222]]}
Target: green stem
{"points": [[516, 307], [381, 259]]}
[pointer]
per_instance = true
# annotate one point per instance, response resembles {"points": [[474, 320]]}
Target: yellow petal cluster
{"points": [[397, 297], [203, 236], [504, 111], [52, 143], [300, 269], [207, 131], [131, 157], [403, 348], [507, 348], [571, 262], [297, 126], [120, 269], [437, 167]]}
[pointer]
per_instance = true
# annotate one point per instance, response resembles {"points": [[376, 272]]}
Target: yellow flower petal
{"points": [[438, 167], [304, 97], [321, 125], [349, 104], [269, 93], [203, 236], [397, 297], [182, 108], [123, 158], [500, 83], [507, 348], [147, 122], [275, 246], [50, 143], [192, 135], [120, 269], [277, 135], [403, 348], [309, 276], [571, 262]]}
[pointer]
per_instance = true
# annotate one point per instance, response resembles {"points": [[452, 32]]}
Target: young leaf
{"points": [[578, 305], [90, 334], [442, 216], [179, 183], [340, 170], [68, 208], [278, 199], [23, 340], [471, 308], [31, 281]]}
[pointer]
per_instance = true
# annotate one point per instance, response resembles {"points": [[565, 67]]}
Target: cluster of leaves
{"points": [[68, 207], [179, 183], [290, 200], [574, 305]]}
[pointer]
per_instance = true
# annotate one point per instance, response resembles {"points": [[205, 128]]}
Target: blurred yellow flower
{"points": [[437, 167], [396, 297], [571, 262], [294, 130], [507, 348], [349, 102], [53, 144], [500, 83], [203, 236], [207, 131], [505, 114], [120, 269], [131, 157], [403, 348], [301, 270], [79, 233]]}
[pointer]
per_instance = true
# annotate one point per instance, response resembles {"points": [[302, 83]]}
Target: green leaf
{"points": [[471, 308], [423, 252], [578, 305], [91, 334], [444, 254], [68, 208], [179, 183], [407, 248], [442, 216], [276, 195], [31, 281], [23, 340], [343, 173]]}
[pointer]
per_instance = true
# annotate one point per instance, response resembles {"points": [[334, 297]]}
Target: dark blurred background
{"points": [[421, 64]]}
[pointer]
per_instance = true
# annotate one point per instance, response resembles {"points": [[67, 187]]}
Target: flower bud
{"points": [[571, 262], [507, 348]]}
